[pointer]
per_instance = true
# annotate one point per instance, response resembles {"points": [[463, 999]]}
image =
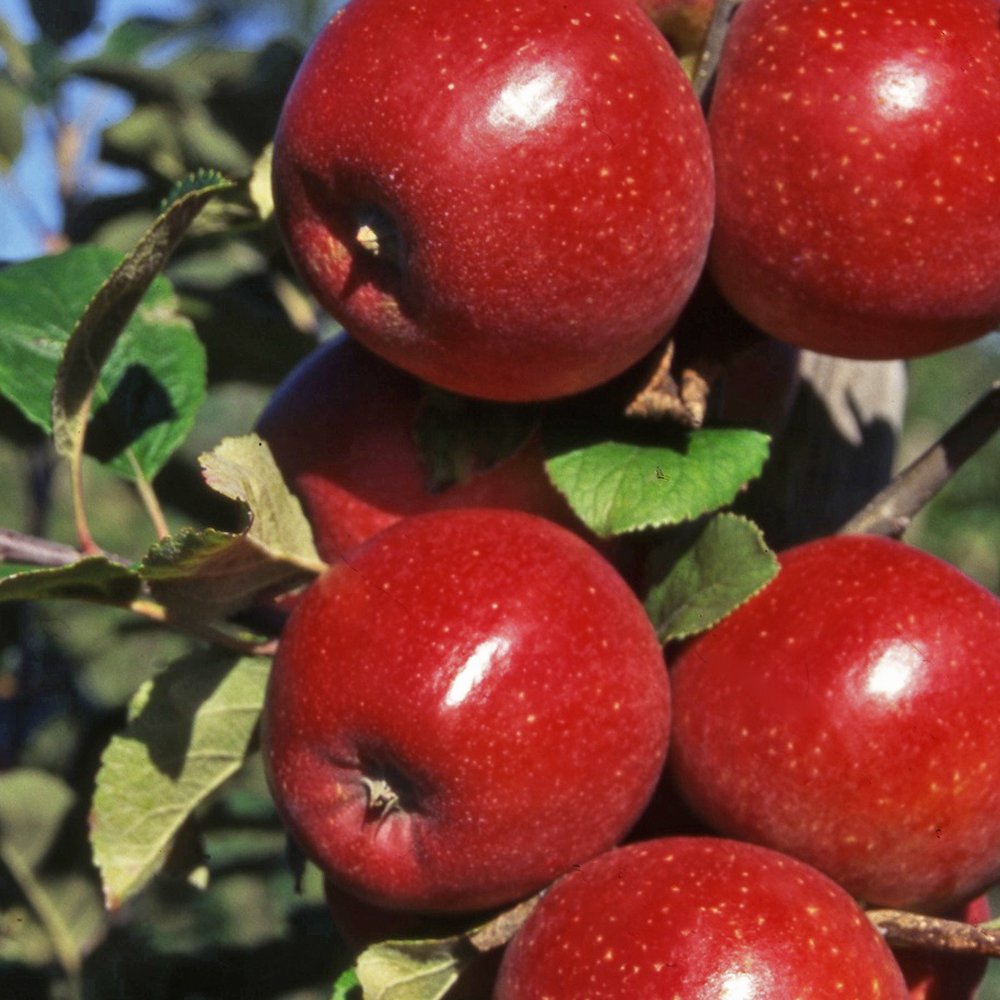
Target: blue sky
{"points": [[27, 194], [28, 201]]}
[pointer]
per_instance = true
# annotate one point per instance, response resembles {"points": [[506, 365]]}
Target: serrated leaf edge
{"points": [[669, 636], [603, 529]]}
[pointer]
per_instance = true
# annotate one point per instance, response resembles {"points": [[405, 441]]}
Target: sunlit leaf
{"points": [[259, 187], [412, 970], [13, 102], [209, 573], [190, 729], [148, 392], [426, 969], [347, 986], [621, 486], [243, 469]]}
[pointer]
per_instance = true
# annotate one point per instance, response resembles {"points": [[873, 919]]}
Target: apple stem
{"points": [[711, 51], [891, 510], [16, 547], [496, 932], [914, 930]]}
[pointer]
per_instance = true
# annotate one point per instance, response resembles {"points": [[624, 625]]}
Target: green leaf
{"points": [[199, 181], [412, 970], [259, 188], [426, 969], [218, 265], [13, 103], [63, 923], [204, 141], [145, 84], [146, 140], [33, 806], [190, 729], [243, 469], [17, 57], [99, 328], [94, 578], [149, 391], [459, 437], [727, 564], [347, 986], [63, 918], [618, 486], [113, 650], [210, 573], [130, 38]]}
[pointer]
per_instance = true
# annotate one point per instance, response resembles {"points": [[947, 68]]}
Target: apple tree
{"points": [[195, 452]]}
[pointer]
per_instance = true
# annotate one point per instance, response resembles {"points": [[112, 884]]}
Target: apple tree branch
{"points": [[892, 510]]}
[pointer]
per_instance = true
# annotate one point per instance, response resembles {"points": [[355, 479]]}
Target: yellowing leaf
{"points": [[426, 969], [189, 730], [243, 469], [412, 970], [209, 574]]}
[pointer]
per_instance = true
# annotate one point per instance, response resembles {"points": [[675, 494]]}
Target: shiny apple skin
{"points": [[856, 148], [846, 715], [697, 918], [341, 428], [547, 170], [504, 680]]}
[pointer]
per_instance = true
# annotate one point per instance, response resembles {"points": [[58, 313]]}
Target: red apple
{"points": [[469, 704], [846, 715], [697, 918], [341, 427], [857, 150], [510, 202], [941, 975]]}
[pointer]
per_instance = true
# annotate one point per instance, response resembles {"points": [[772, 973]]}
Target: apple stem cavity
{"points": [[378, 235]]}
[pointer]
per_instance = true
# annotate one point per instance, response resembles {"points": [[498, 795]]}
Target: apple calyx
{"points": [[382, 800], [387, 791]]}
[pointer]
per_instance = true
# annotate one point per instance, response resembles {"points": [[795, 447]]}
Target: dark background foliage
{"points": [[99, 116]]}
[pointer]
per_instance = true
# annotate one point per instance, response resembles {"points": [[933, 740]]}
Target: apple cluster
{"points": [[515, 203]]}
